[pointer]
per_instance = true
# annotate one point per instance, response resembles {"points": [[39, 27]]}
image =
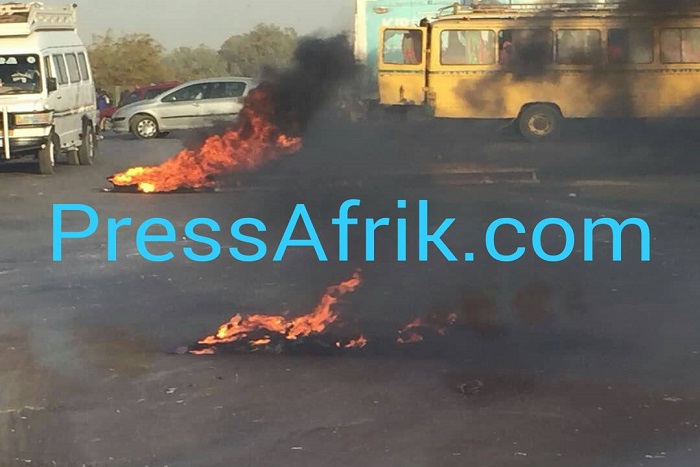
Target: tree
{"points": [[128, 60], [266, 45], [189, 63]]}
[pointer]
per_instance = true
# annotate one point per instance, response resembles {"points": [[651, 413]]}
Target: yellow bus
{"points": [[540, 64]]}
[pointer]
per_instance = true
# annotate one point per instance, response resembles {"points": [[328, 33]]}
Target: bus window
{"points": [[460, 47], [525, 46], [630, 46], [680, 45], [578, 46], [403, 47]]}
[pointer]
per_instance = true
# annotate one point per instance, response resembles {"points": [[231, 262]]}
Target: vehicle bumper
{"points": [[21, 141], [120, 126]]}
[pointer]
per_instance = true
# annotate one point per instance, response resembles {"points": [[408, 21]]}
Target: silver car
{"points": [[195, 104]]}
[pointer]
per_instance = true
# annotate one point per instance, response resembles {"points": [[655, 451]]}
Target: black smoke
{"points": [[320, 66], [318, 71]]}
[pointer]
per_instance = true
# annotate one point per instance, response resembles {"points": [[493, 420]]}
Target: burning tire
{"points": [[540, 122], [88, 148], [47, 155], [145, 127]]}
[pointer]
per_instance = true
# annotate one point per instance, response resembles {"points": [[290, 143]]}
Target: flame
{"points": [[207, 351], [239, 327], [358, 343], [410, 333], [263, 341], [253, 141]]}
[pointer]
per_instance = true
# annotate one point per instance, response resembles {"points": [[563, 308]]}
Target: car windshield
{"points": [[20, 74]]}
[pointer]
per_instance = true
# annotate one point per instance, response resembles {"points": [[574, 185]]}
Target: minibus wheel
{"points": [[540, 122], [86, 152], [47, 155]]}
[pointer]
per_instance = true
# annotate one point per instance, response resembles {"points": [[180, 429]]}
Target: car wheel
{"points": [[145, 127], [88, 148], [47, 155]]}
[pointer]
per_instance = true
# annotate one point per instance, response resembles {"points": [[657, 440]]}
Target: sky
{"points": [[177, 23]]}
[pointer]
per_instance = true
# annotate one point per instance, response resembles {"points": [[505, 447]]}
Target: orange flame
{"points": [[239, 327], [358, 343], [207, 351], [410, 335], [252, 142]]}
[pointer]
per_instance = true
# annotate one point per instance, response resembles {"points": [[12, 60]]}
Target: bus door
{"points": [[402, 65]]}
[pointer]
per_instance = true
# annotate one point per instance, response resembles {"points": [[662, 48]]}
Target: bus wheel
{"points": [[540, 122]]}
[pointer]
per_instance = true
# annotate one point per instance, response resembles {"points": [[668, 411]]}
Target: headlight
{"points": [[42, 118]]}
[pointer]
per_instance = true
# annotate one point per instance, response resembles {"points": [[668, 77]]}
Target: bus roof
{"points": [[507, 9]]}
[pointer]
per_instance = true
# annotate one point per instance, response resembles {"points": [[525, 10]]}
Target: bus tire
{"points": [[540, 122]]}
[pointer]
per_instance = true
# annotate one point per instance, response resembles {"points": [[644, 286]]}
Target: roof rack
{"points": [[22, 19], [497, 6]]}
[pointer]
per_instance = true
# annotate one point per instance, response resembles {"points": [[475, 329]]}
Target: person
{"points": [[617, 46], [411, 44], [103, 100], [506, 48]]}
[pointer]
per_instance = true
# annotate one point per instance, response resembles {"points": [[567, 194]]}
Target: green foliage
{"points": [[128, 60], [266, 45], [138, 59], [189, 63]]}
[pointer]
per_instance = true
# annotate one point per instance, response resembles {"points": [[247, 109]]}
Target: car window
{"points": [[193, 92], [130, 99], [151, 93], [227, 90]]}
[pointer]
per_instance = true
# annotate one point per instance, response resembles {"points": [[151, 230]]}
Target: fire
{"points": [[240, 327], [411, 334], [269, 331], [253, 141], [207, 351], [358, 343]]}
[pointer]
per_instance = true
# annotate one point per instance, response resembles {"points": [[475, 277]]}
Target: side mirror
{"points": [[51, 84]]}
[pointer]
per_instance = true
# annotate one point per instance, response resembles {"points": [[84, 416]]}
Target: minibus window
{"points": [[680, 45], [579, 46], [60, 69], [403, 47], [472, 47], [630, 46], [525, 48], [84, 69], [73, 71]]}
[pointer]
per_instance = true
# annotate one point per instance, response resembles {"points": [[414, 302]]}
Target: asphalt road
{"points": [[578, 364]]}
